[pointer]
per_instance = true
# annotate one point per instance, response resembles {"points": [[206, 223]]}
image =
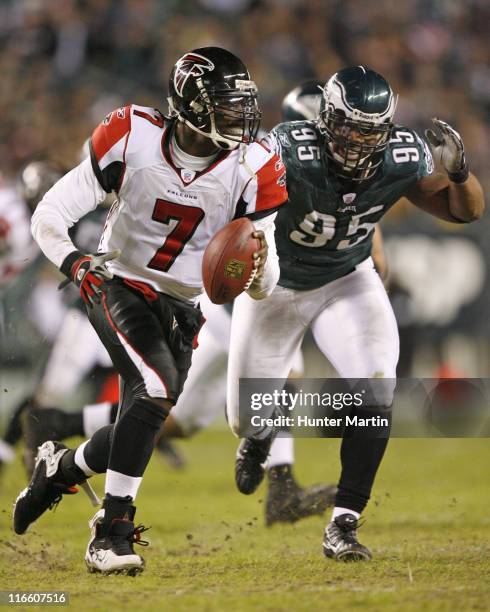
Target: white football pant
{"points": [[352, 323]]}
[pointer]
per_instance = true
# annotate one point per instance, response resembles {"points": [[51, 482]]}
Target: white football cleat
{"points": [[110, 550]]}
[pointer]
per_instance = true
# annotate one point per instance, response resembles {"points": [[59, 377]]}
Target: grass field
{"points": [[428, 527]]}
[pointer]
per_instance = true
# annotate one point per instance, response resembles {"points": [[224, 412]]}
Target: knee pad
{"points": [[147, 411]]}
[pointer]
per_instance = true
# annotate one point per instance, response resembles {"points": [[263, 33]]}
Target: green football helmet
{"points": [[356, 117], [303, 102]]}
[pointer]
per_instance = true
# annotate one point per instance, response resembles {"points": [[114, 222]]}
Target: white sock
{"points": [[96, 416], [282, 451], [338, 511], [80, 460], [7, 453], [121, 485]]}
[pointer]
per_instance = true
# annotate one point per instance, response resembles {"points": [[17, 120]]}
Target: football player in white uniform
{"points": [[17, 249], [203, 397], [178, 180], [343, 172]]}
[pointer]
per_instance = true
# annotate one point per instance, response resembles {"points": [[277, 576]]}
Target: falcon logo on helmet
{"points": [[191, 64], [212, 93]]}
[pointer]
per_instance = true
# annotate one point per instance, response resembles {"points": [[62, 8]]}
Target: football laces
{"points": [[252, 276]]}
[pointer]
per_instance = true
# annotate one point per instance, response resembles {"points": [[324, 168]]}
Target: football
{"points": [[227, 265]]}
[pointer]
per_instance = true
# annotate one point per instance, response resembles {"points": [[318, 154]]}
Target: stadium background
{"points": [[65, 63]]}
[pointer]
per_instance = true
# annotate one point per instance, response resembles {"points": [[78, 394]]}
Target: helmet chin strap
{"points": [[219, 141]]}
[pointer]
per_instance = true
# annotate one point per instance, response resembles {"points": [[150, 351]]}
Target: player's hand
{"points": [[447, 147], [260, 256], [89, 273]]}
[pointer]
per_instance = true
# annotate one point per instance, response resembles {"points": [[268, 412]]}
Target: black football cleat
{"points": [[110, 549], [287, 502], [340, 540], [250, 463], [45, 490]]}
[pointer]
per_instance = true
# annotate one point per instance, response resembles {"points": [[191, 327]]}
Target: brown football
{"points": [[227, 264]]}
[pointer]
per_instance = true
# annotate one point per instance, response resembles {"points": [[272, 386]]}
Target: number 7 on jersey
{"points": [[187, 217]]}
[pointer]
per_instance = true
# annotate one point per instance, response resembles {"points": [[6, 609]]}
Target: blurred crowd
{"points": [[65, 63]]}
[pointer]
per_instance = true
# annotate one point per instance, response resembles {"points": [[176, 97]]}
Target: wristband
{"points": [[68, 262], [460, 176]]}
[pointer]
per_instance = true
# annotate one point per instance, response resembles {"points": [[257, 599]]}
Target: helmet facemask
{"points": [[356, 146], [356, 117], [227, 116]]}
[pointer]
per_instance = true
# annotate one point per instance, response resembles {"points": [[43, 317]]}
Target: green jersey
{"points": [[327, 226]]}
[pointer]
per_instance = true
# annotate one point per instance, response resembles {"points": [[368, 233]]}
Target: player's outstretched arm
{"points": [[455, 196]]}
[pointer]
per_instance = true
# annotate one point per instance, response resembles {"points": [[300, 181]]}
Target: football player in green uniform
{"points": [[344, 171]]}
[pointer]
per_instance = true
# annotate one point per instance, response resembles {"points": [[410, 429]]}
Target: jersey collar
{"points": [[166, 140]]}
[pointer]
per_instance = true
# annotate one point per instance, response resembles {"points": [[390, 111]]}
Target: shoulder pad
{"points": [[408, 152], [267, 185], [109, 137]]}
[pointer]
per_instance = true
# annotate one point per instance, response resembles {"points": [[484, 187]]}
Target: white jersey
{"points": [[164, 216], [17, 249]]}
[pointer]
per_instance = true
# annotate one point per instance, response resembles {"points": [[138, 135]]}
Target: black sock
{"points": [[361, 454], [134, 437], [69, 471]]}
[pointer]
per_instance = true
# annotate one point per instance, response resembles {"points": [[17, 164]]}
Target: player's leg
{"points": [[357, 332], [153, 357], [286, 500], [64, 371], [67, 367], [156, 348], [204, 394], [203, 398], [264, 338]]}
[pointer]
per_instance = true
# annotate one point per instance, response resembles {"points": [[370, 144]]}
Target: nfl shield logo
{"points": [[234, 268], [349, 198], [187, 175]]}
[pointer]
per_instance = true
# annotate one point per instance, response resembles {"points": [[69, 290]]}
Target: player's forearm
{"points": [[51, 234], [264, 285], [465, 200], [72, 197]]}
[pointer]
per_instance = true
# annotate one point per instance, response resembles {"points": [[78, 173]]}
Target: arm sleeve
{"points": [[264, 286], [72, 197]]}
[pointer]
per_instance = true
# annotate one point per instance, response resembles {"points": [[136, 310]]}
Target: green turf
{"points": [[427, 525]]}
